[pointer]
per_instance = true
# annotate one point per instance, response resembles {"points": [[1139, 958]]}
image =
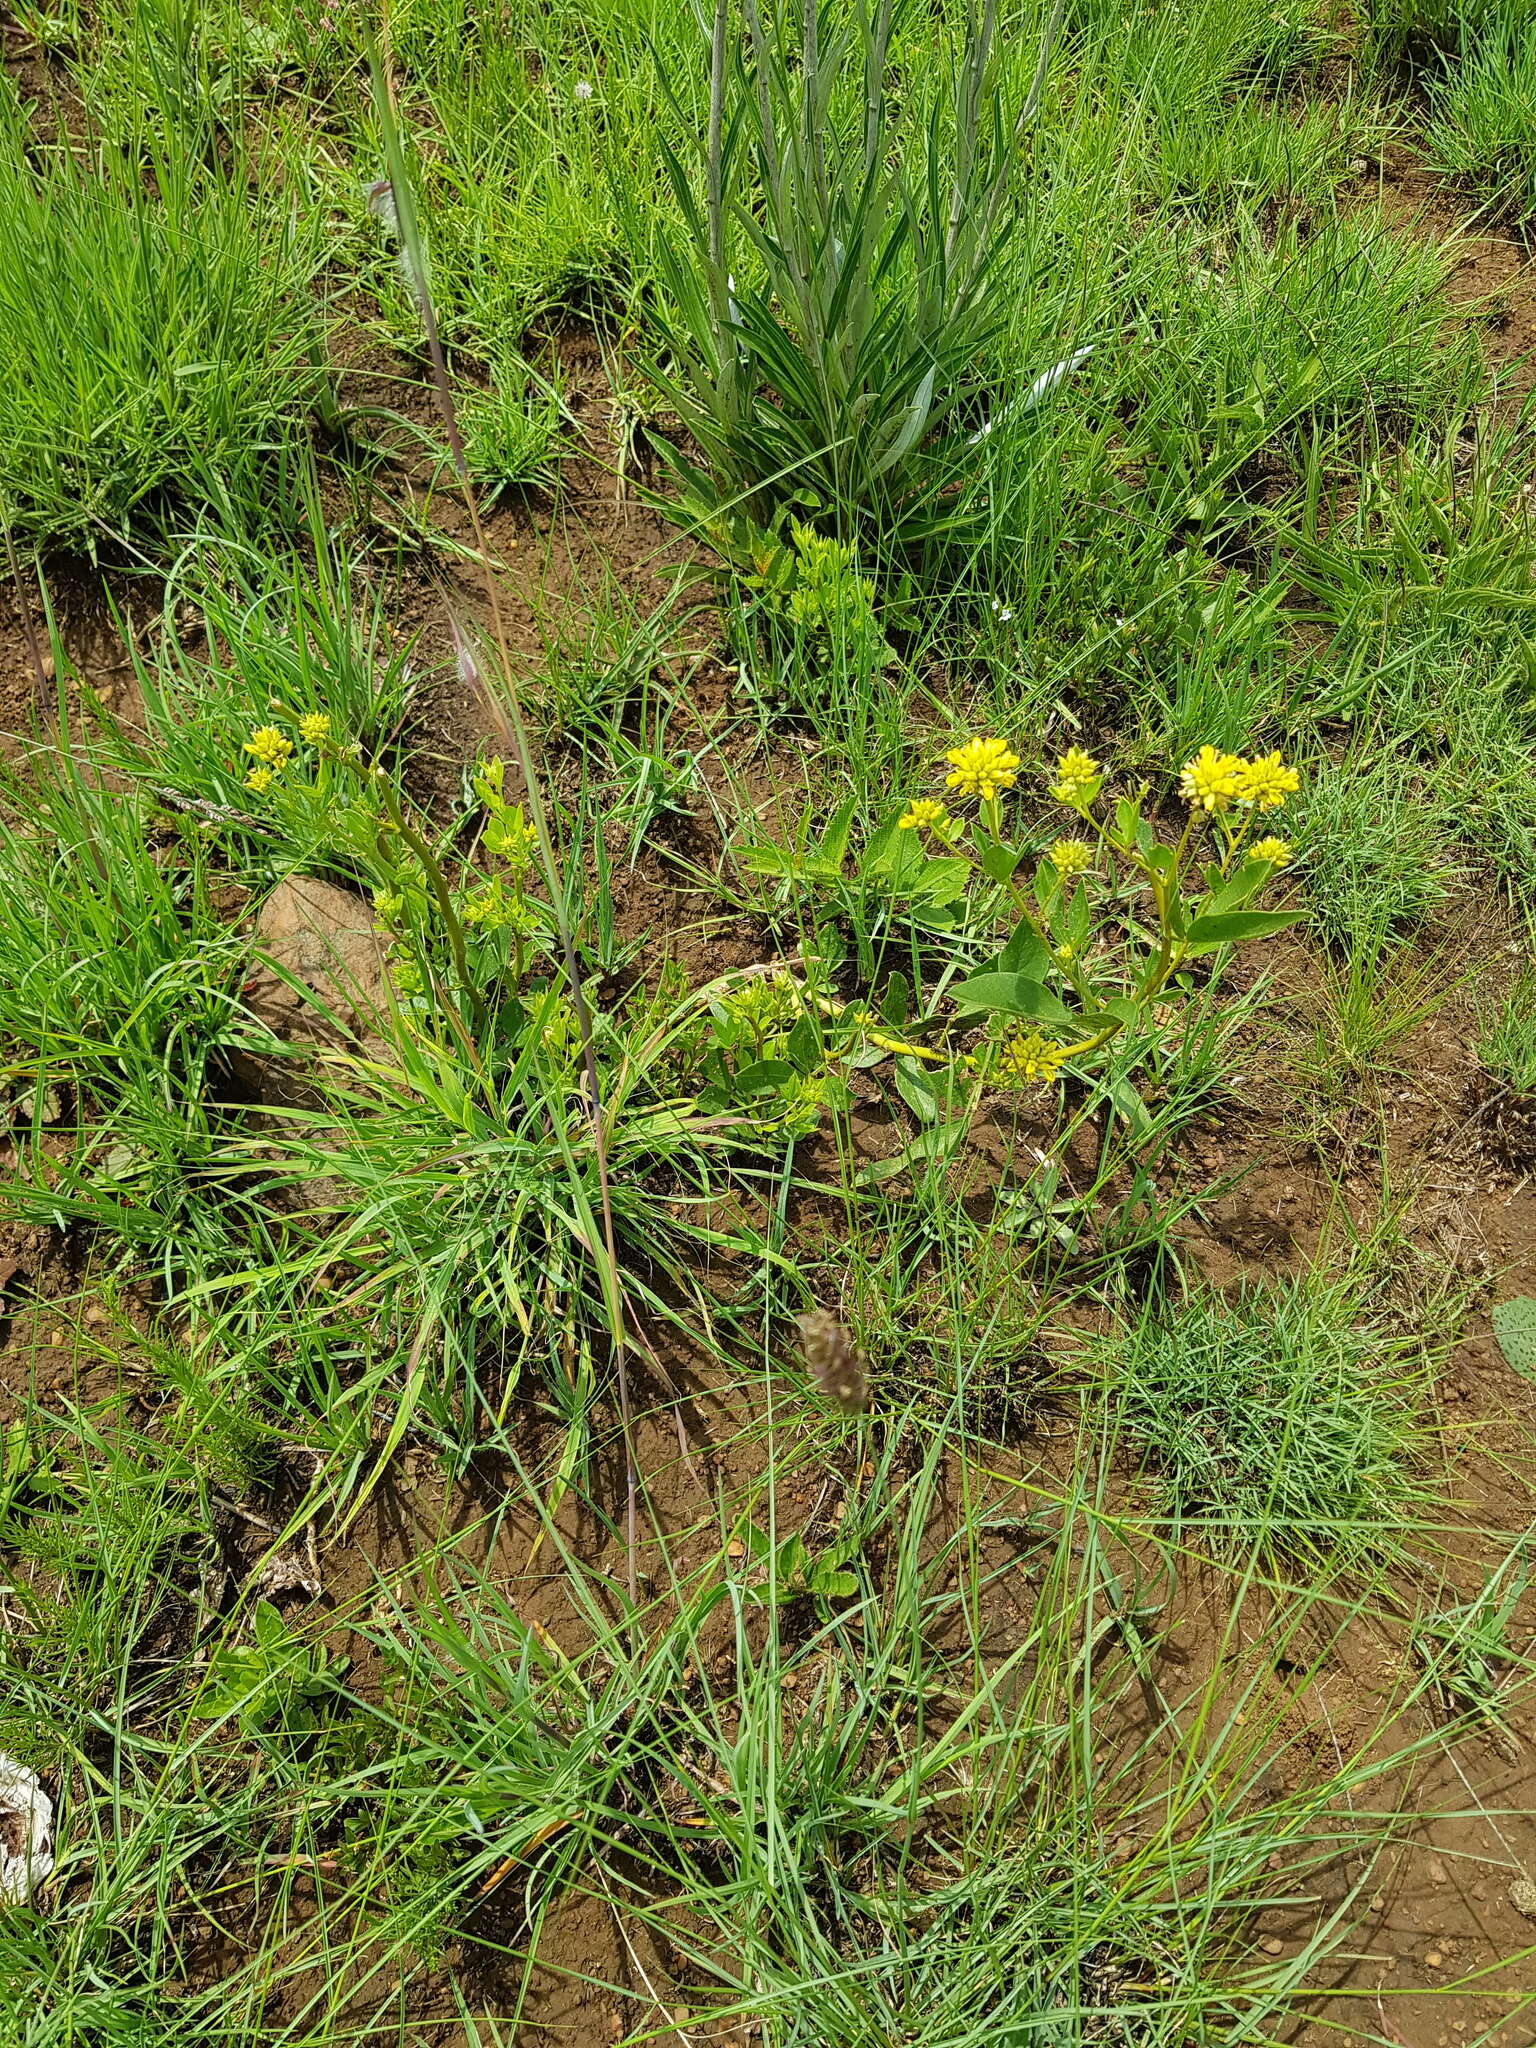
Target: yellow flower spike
{"points": [[923, 814], [1211, 780], [259, 779], [314, 728], [270, 747], [1071, 856], [1277, 852], [1030, 1058], [981, 768], [1266, 782]]}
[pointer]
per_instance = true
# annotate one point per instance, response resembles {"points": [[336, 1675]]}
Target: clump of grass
{"points": [[1372, 850], [513, 431], [1484, 123], [1280, 1417], [842, 241], [1473, 1651], [1427, 31], [1506, 1044], [118, 982], [159, 338]]}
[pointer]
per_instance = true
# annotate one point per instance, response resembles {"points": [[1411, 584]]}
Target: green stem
{"points": [[438, 883]]}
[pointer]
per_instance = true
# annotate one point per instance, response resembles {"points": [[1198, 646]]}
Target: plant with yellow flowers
{"points": [[1106, 917], [1101, 923], [458, 930]]}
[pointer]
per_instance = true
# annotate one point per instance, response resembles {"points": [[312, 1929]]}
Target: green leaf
{"points": [[997, 860], [896, 1000], [1226, 928], [1015, 994], [940, 881], [804, 1048], [1129, 1105], [912, 423], [898, 859], [768, 860], [1514, 1326], [1234, 892], [833, 1585], [915, 1086], [762, 1077], [834, 844], [268, 1626], [1025, 953]]}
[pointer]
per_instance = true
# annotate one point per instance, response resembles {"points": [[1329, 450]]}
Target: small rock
{"points": [[1272, 1947], [1379, 1903], [321, 936], [1522, 1896], [1435, 1871], [1433, 1960]]}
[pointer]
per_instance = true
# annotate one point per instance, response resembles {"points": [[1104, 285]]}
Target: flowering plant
{"points": [[1106, 918], [460, 931], [1103, 922]]}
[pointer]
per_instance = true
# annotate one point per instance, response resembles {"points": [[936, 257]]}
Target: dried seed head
{"points": [[834, 1359], [380, 196], [464, 656]]}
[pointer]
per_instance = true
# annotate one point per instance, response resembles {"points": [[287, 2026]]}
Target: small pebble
{"points": [[1271, 1947], [1522, 1896], [1433, 1960], [1379, 1903], [1435, 1870]]}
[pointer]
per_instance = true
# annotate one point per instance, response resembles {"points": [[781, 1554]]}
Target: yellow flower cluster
{"points": [[981, 768], [1266, 782], [1211, 780], [1030, 1058], [271, 749], [1077, 777], [923, 814], [1071, 856], [1276, 851], [511, 837]]}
